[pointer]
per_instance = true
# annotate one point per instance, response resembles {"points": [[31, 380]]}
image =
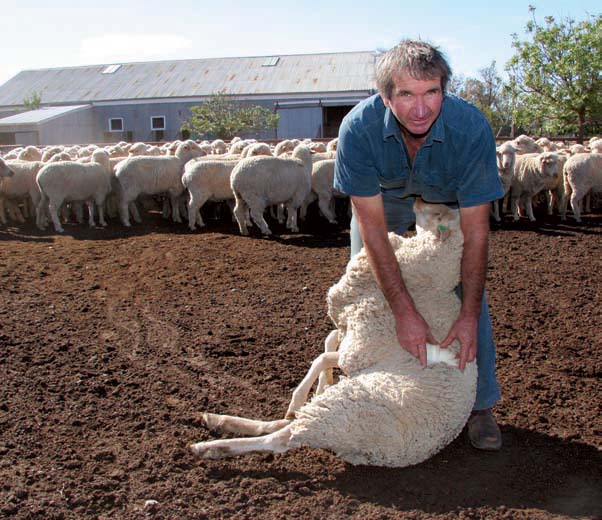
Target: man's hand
{"points": [[465, 331], [413, 333]]}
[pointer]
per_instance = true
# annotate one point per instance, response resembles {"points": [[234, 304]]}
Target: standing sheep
{"points": [[74, 181], [533, 173], [5, 170], [30, 153], [596, 146], [145, 175], [524, 144], [206, 180], [388, 410], [506, 157], [20, 187], [322, 177], [582, 174], [258, 182]]}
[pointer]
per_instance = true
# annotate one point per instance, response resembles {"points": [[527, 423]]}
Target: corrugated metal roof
{"points": [[39, 116], [303, 73]]}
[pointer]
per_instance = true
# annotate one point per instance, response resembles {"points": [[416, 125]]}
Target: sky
{"points": [[38, 34]]}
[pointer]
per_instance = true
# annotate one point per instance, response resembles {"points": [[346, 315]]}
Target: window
{"points": [[111, 69], [271, 61], [116, 124], [158, 123]]}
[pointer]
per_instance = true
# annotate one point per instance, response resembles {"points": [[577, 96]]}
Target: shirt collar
{"points": [[391, 127]]}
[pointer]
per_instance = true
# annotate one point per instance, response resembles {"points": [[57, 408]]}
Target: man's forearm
{"points": [[386, 271], [373, 230], [474, 260]]}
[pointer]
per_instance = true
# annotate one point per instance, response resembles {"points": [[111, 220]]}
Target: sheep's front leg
{"points": [[495, 210], [90, 204], [276, 442], [331, 344], [323, 362], [240, 425], [529, 207]]}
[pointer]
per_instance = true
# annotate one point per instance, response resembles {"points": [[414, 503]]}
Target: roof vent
{"points": [[271, 62], [111, 69]]}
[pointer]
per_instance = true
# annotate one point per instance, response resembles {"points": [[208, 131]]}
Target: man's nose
{"points": [[420, 108]]}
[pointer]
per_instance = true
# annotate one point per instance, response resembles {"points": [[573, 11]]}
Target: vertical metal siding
{"points": [[300, 122]]}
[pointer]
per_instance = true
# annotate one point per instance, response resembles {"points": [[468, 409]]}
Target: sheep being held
{"points": [[387, 410]]}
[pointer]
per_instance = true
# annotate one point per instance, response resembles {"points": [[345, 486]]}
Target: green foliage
{"points": [[33, 101], [555, 76], [487, 93], [222, 118]]}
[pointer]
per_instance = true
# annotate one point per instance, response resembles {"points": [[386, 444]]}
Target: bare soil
{"points": [[113, 341]]}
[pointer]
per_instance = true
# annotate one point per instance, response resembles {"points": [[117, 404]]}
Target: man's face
{"points": [[416, 103]]}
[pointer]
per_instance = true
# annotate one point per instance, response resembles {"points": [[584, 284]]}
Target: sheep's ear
{"points": [[418, 205], [443, 232]]}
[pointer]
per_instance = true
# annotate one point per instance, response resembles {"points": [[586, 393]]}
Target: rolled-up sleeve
{"points": [[480, 182]]}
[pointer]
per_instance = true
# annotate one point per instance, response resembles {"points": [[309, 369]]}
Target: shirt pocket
{"points": [[438, 187], [394, 173]]}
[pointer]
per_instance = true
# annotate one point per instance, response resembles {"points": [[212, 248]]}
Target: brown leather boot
{"points": [[483, 431]]}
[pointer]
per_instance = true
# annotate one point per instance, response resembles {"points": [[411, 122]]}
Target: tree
{"points": [[33, 101], [222, 118], [487, 93], [555, 77]]}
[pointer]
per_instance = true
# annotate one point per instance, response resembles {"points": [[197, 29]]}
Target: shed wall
{"points": [[72, 128]]}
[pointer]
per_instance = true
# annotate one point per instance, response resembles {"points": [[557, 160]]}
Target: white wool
{"points": [[387, 410]]}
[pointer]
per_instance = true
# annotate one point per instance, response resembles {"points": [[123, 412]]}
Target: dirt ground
{"points": [[113, 341]]}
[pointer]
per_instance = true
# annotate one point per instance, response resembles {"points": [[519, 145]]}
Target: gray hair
{"points": [[420, 59]]}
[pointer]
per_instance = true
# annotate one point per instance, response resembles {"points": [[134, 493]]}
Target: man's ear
{"points": [[386, 101]]}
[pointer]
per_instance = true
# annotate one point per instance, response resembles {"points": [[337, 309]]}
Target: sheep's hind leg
{"points": [[276, 442], [240, 425], [323, 362], [257, 216], [240, 213]]}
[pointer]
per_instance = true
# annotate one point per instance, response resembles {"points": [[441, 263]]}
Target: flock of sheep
{"points": [[528, 168], [248, 175], [57, 181]]}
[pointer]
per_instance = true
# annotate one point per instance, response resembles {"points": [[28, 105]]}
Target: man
{"points": [[411, 139]]}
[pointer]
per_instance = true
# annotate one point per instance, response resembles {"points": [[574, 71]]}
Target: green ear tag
{"points": [[441, 227]]}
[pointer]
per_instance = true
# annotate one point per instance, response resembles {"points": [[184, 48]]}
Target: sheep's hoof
{"points": [[207, 450], [213, 421]]}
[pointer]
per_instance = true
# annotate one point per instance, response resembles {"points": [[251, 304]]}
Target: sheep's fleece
{"points": [[389, 411]]}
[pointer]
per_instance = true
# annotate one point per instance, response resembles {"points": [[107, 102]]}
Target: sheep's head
{"points": [[5, 171], [438, 219], [102, 157], [188, 150], [506, 155], [548, 162]]}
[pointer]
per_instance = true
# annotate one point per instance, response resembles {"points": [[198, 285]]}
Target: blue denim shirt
{"points": [[455, 165]]}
